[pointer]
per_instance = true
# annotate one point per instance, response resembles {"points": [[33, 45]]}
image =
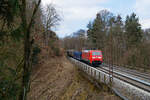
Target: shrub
{"points": [[36, 51]]}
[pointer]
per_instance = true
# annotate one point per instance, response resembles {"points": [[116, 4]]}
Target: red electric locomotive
{"points": [[94, 57]]}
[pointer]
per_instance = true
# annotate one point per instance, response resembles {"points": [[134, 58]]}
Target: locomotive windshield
{"points": [[96, 53]]}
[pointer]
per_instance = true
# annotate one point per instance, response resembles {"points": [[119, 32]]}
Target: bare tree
{"points": [[50, 19]]}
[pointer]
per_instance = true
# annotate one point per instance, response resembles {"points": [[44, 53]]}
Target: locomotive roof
{"points": [[90, 50]]}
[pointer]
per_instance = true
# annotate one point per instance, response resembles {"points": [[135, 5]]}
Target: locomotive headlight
{"points": [[99, 57], [94, 57]]}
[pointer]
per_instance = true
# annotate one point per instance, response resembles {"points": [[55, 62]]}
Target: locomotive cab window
{"points": [[96, 53]]}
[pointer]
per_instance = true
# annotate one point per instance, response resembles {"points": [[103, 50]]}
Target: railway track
{"points": [[128, 72], [128, 79], [133, 83], [132, 73]]}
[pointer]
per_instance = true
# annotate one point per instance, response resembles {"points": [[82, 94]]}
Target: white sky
{"points": [[77, 13]]}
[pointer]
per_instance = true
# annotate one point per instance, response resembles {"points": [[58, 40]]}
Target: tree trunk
{"points": [[27, 49], [26, 52]]}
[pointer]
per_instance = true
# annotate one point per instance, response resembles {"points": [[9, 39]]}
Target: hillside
{"points": [[57, 79]]}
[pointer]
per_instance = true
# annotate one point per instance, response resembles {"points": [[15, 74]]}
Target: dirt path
{"points": [[58, 79]]}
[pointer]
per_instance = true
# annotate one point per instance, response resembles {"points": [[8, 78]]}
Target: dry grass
{"points": [[58, 79]]}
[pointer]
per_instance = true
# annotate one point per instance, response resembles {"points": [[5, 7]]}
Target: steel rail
{"points": [[136, 79], [135, 73], [117, 75], [140, 75]]}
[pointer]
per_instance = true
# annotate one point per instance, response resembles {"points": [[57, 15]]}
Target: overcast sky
{"points": [[77, 13]]}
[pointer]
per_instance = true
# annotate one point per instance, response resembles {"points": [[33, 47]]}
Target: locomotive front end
{"points": [[96, 58]]}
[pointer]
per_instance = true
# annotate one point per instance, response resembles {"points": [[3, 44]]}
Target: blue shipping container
{"points": [[77, 55]]}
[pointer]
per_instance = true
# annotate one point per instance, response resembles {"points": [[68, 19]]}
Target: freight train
{"points": [[93, 57]]}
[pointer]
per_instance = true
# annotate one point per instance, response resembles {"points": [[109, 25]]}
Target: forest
{"points": [[27, 39], [123, 42]]}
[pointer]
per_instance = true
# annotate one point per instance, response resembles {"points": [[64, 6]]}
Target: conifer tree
{"points": [[133, 30]]}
